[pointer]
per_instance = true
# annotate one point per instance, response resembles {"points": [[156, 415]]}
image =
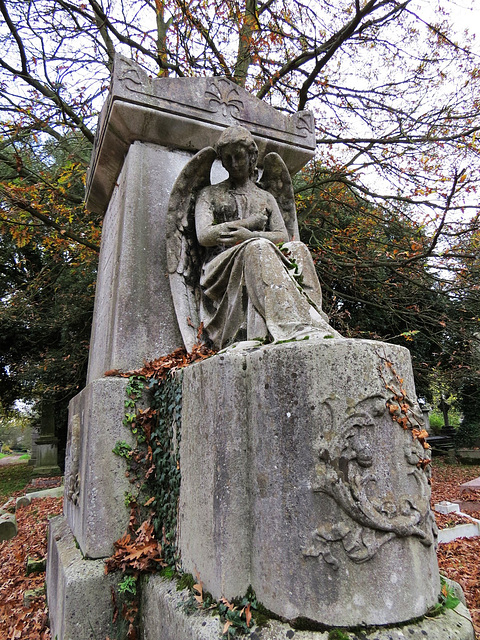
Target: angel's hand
{"points": [[258, 221], [235, 235]]}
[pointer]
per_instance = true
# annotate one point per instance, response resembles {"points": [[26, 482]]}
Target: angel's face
{"points": [[236, 160]]}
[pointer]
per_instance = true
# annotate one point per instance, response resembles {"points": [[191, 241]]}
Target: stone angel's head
{"points": [[237, 141]]}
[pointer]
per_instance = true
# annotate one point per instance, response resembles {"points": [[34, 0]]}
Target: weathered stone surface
{"points": [[134, 318], [296, 480], [22, 501], [214, 451], [163, 616], [186, 114], [95, 482], [8, 526], [78, 591]]}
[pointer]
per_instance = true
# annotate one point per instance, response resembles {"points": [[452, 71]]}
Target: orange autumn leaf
{"points": [[248, 614], [228, 604]]}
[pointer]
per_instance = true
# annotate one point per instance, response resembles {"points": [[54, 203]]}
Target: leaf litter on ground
{"points": [[458, 560], [27, 620]]}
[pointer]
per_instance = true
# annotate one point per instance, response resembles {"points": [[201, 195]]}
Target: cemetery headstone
{"points": [[46, 444]]}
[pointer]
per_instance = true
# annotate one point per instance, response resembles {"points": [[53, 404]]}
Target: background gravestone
{"points": [[46, 444]]}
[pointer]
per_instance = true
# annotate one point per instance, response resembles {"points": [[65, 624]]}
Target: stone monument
{"points": [[303, 470]]}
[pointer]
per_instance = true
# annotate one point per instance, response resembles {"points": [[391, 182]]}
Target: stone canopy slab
{"points": [[187, 114]]}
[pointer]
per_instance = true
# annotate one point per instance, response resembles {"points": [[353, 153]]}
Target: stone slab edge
{"points": [[189, 114], [467, 530], [163, 616], [54, 492], [470, 529], [78, 591], [25, 500]]}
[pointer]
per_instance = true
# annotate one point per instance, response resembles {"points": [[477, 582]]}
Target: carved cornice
{"points": [[186, 114]]}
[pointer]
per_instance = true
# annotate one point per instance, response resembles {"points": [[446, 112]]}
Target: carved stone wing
{"points": [[184, 258], [276, 179]]}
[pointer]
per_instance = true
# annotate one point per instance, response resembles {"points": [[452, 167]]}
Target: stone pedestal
{"points": [[164, 616], [297, 481], [95, 481], [295, 478], [46, 461]]}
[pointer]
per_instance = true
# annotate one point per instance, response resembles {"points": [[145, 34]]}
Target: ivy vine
{"points": [[164, 482]]}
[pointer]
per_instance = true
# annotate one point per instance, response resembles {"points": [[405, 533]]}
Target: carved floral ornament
{"points": [[371, 511], [221, 95], [132, 76], [225, 97]]}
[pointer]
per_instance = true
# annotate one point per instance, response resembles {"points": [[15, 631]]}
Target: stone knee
{"points": [[258, 245]]}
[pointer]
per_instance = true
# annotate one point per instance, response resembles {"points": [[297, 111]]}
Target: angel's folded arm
{"points": [[208, 233]]}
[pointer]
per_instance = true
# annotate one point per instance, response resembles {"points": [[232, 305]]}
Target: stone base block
{"points": [[78, 592], [164, 617], [46, 472], [95, 482], [296, 480]]}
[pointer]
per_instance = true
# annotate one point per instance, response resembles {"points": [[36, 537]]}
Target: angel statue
{"points": [[234, 263]]}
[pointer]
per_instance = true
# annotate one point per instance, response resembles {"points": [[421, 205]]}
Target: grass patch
{"points": [[13, 478], [26, 456]]}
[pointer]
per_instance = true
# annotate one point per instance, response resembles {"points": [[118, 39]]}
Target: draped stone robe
{"points": [[253, 290]]}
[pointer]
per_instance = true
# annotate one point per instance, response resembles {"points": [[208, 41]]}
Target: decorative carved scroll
{"points": [[72, 481], [370, 510]]}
